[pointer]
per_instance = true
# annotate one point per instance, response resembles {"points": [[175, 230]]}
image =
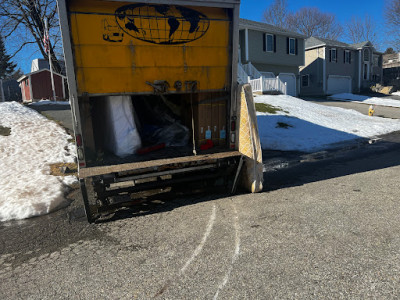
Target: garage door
{"points": [[290, 80], [338, 84]]}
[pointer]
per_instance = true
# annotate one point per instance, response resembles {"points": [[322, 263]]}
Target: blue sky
{"points": [[343, 9], [253, 10]]}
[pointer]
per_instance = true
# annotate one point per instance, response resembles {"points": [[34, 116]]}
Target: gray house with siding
{"points": [[272, 51], [334, 67]]}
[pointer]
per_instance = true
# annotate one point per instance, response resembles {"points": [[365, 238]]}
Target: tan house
{"points": [[333, 67], [391, 69]]}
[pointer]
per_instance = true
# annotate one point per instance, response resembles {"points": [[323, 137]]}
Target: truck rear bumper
{"points": [[160, 164], [109, 187]]}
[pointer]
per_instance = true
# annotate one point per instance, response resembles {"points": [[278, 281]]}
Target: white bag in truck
{"points": [[121, 135]]}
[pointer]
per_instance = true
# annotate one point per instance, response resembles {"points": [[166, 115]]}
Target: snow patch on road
{"points": [[48, 102], [27, 189], [313, 127]]}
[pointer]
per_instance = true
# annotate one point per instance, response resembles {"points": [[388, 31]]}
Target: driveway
{"points": [[323, 229], [380, 111], [59, 113]]}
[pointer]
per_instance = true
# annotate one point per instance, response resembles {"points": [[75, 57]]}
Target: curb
{"points": [[334, 150]]}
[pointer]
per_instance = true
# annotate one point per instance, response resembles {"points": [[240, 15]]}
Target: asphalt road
{"points": [[380, 111], [321, 229], [60, 113]]}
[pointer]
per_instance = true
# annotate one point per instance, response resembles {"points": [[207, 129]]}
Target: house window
{"points": [[27, 82], [366, 54], [292, 46], [375, 60], [347, 59], [305, 80], [269, 41], [333, 56]]}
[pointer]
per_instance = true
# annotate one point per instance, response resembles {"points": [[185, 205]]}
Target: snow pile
{"points": [[48, 102], [366, 99], [396, 93], [312, 127], [27, 189]]}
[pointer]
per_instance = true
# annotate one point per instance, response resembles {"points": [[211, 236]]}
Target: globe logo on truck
{"points": [[162, 24], [111, 32]]}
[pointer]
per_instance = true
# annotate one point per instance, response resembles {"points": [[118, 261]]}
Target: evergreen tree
{"points": [[389, 51], [6, 66]]}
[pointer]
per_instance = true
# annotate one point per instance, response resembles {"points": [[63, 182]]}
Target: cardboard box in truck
{"points": [[170, 60]]}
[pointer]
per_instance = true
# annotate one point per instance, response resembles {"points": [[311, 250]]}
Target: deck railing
{"points": [[242, 75], [263, 84], [252, 71]]}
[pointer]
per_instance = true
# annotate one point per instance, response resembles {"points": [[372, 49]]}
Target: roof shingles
{"points": [[244, 23]]}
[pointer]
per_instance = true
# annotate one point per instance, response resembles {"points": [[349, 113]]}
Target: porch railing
{"points": [[252, 71], [263, 84], [242, 75]]}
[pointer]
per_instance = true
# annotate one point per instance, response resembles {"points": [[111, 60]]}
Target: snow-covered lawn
{"points": [[312, 127], [366, 99], [26, 187], [33, 143]]}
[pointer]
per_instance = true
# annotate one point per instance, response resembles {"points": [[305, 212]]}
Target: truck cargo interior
{"points": [[137, 128]]}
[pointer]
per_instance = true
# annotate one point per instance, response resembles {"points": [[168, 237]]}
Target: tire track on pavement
{"points": [[236, 253], [196, 252]]}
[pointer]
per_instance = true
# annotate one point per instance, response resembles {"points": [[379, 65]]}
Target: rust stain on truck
{"points": [[104, 34]]}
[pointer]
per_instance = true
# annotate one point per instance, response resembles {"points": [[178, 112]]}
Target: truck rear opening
{"points": [[153, 94], [150, 126]]}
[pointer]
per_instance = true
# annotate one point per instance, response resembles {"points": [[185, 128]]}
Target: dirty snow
{"points": [[365, 99], [313, 127], [27, 189], [48, 102]]}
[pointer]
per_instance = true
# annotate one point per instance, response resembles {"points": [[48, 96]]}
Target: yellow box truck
{"points": [[154, 97]]}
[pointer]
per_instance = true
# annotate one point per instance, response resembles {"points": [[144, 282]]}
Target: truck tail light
{"points": [[79, 150], [78, 139], [233, 133], [80, 154], [233, 126], [233, 138]]}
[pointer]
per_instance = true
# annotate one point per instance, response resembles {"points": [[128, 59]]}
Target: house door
{"points": [[290, 80]]}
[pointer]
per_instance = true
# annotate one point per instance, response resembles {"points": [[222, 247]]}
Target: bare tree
{"points": [[277, 14], [310, 21], [360, 30], [392, 16], [22, 25]]}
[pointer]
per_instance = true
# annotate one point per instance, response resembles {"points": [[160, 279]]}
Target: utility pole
{"points": [[46, 41]]}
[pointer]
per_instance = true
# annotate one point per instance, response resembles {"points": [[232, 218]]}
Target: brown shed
{"points": [[37, 85]]}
